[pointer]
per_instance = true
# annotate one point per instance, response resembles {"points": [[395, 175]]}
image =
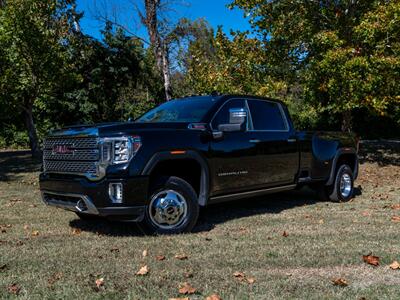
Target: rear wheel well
{"points": [[349, 159], [187, 169]]}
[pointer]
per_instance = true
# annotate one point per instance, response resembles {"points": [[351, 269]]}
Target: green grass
{"points": [[325, 241]]}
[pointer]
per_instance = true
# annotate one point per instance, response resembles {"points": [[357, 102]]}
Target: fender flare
{"points": [[189, 154], [340, 152]]}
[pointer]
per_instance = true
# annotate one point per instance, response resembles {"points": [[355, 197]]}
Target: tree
{"points": [[32, 34], [344, 53]]}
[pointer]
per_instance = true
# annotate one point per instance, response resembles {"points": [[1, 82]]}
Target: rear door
{"points": [[275, 142]]}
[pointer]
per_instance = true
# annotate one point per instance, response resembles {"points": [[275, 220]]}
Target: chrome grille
{"points": [[77, 154], [77, 143], [81, 158]]}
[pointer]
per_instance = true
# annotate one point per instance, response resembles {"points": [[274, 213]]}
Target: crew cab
{"points": [[188, 153]]}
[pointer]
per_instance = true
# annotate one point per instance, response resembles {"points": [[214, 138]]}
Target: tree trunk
{"points": [[347, 119], [160, 49], [166, 74], [30, 126]]}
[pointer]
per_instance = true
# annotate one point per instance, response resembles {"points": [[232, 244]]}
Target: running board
{"points": [[242, 195]]}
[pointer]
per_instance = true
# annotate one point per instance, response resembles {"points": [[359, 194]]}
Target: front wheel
{"points": [[173, 207], [343, 187]]}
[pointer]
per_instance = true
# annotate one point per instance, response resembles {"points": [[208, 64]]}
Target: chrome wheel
{"points": [[168, 209], [345, 185]]}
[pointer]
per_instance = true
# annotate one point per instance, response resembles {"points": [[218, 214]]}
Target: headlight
{"points": [[120, 150]]}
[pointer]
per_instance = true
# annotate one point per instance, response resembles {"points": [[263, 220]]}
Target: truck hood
{"points": [[116, 129]]}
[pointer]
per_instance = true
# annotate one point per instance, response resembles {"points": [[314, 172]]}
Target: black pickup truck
{"points": [[188, 153]]}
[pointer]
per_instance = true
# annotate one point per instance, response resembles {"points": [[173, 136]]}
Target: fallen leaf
{"points": [[370, 259], [53, 279], [251, 280], [187, 289], [35, 233], [285, 234], [76, 231], [143, 271], [14, 289], [99, 282], [115, 249], [396, 218], [160, 257], [239, 275], [145, 253], [395, 206], [321, 221], [395, 265], [26, 227], [340, 282], [181, 256], [214, 297]]}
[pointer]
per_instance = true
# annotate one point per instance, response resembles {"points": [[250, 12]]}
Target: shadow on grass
{"points": [[215, 214], [384, 153], [14, 163]]}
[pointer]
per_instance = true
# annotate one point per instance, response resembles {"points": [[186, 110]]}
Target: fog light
{"points": [[115, 192]]}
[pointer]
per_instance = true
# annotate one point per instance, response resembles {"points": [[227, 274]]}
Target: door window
{"points": [[267, 115], [222, 116]]}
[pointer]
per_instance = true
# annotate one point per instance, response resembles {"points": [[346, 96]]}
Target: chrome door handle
{"points": [[255, 141], [292, 140]]}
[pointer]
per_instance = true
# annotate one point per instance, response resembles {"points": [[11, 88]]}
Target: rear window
{"points": [[266, 115]]}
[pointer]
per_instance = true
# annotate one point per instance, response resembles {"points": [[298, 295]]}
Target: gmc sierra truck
{"points": [[188, 153]]}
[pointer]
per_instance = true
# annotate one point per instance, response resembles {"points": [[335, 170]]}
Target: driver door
{"points": [[232, 157]]}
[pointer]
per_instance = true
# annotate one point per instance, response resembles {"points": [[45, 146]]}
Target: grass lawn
{"points": [[50, 253]]}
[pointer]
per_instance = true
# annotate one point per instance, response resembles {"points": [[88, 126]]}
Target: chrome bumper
{"points": [[71, 202]]}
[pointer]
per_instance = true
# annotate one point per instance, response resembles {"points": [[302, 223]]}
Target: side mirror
{"points": [[237, 117]]}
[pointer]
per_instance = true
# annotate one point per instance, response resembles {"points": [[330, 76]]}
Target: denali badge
{"points": [[62, 149]]}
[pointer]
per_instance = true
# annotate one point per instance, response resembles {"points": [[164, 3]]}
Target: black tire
{"points": [[334, 192], [185, 193]]}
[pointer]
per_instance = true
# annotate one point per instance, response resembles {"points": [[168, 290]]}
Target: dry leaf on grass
{"points": [[160, 257], [99, 282], [251, 280], [214, 297], [370, 259], [239, 275], [395, 265], [14, 289], [53, 279], [76, 231], [181, 256], [242, 277], [187, 289], [35, 233], [143, 271], [340, 282], [26, 227], [285, 234], [145, 253], [396, 218], [395, 206]]}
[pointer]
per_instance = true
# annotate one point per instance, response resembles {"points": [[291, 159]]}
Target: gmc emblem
{"points": [[62, 149]]}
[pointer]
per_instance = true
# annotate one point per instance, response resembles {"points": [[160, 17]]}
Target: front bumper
{"points": [[87, 197]]}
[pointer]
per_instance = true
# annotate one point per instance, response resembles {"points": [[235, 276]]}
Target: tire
{"points": [[343, 187], [172, 207]]}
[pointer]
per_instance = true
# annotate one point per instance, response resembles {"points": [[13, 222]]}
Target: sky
{"points": [[214, 11]]}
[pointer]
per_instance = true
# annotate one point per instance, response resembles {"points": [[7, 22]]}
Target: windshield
{"points": [[175, 111]]}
